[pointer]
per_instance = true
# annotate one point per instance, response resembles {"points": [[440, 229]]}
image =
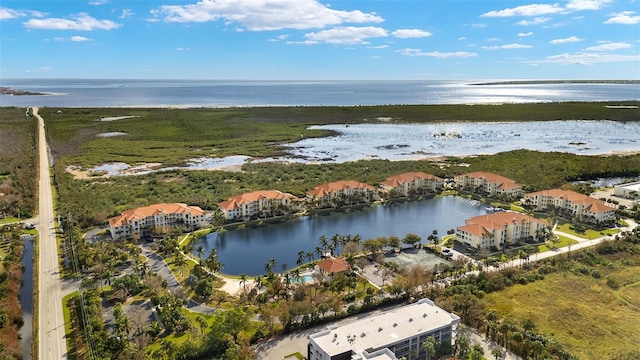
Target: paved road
{"points": [[51, 333], [158, 265]]}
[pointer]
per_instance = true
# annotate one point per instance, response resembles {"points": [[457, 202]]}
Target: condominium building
{"points": [[494, 230], [575, 204], [488, 183], [157, 217], [412, 182], [393, 334], [257, 203], [628, 191], [346, 191]]}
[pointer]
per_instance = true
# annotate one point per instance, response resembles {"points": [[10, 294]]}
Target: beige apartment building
{"points": [[263, 203], [345, 191], [410, 182], [488, 183], [494, 230], [574, 204], [158, 217]]}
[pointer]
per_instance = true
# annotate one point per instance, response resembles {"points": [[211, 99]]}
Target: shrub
{"points": [[613, 283]]}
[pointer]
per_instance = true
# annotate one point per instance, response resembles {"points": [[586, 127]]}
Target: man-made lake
{"points": [[248, 250]]}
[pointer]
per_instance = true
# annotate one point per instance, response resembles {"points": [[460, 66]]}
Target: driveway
{"points": [[159, 266]]}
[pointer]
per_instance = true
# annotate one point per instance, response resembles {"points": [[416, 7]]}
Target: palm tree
{"points": [[497, 352], [202, 323], [243, 283], [335, 241], [180, 264], [300, 259], [324, 242], [429, 346], [258, 282], [476, 352], [310, 256], [200, 251]]}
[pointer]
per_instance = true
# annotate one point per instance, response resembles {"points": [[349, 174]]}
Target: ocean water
{"points": [[191, 93]]}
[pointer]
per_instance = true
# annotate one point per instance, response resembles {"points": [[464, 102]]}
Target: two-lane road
{"points": [[51, 333]]}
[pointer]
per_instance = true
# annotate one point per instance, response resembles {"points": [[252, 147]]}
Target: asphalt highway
{"points": [[51, 333]]}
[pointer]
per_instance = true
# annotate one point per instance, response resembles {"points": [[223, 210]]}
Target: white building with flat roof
{"points": [[400, 332], [628, 191]]}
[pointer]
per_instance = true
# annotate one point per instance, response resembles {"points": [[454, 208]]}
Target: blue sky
{"points": [[313, 40]]}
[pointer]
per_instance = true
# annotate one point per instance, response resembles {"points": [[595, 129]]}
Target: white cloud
{"points": [[79, 38], [80, 21], [73, 38], [265, 14], [279, 38], [378, 47], [40, 69], [586, 59], [536, 21], [462, 38], [346, 35], [6, 13], [565, 40], [98, 2], [479, 25], [508, 46], [526, 10], [525, 34], [494, 39], [548, 9], [436, 54], [578, 5], [611, 46], [410, 33], [624, 18], [183, 49], [126, 13]]}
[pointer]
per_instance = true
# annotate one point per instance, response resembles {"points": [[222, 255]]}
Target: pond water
{"points": [[26, 298], [248, 250]]}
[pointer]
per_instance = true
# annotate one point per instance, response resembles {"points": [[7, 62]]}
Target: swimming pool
{"points": [[302, 279]]}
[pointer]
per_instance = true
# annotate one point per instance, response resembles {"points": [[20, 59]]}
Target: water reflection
{"points": [[248, 250]]}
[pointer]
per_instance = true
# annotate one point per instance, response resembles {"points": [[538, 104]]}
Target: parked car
{"points": [[29, 226]]}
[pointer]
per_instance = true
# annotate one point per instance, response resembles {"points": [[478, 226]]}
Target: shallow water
{"points": [[414, 141]]}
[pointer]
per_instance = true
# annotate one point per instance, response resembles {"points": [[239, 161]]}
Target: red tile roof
{"points": [[504, 182], [235, 201], [151, 210], [333, 265], [328, 188], [594, 205], [400, 179], [482, 224]]}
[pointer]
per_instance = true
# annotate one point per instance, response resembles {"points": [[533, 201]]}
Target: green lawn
{"points": [[564, 241], [589, 318], [587, 234]]}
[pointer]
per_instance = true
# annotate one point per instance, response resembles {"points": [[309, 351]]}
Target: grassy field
{"points": [[588, 317]]}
